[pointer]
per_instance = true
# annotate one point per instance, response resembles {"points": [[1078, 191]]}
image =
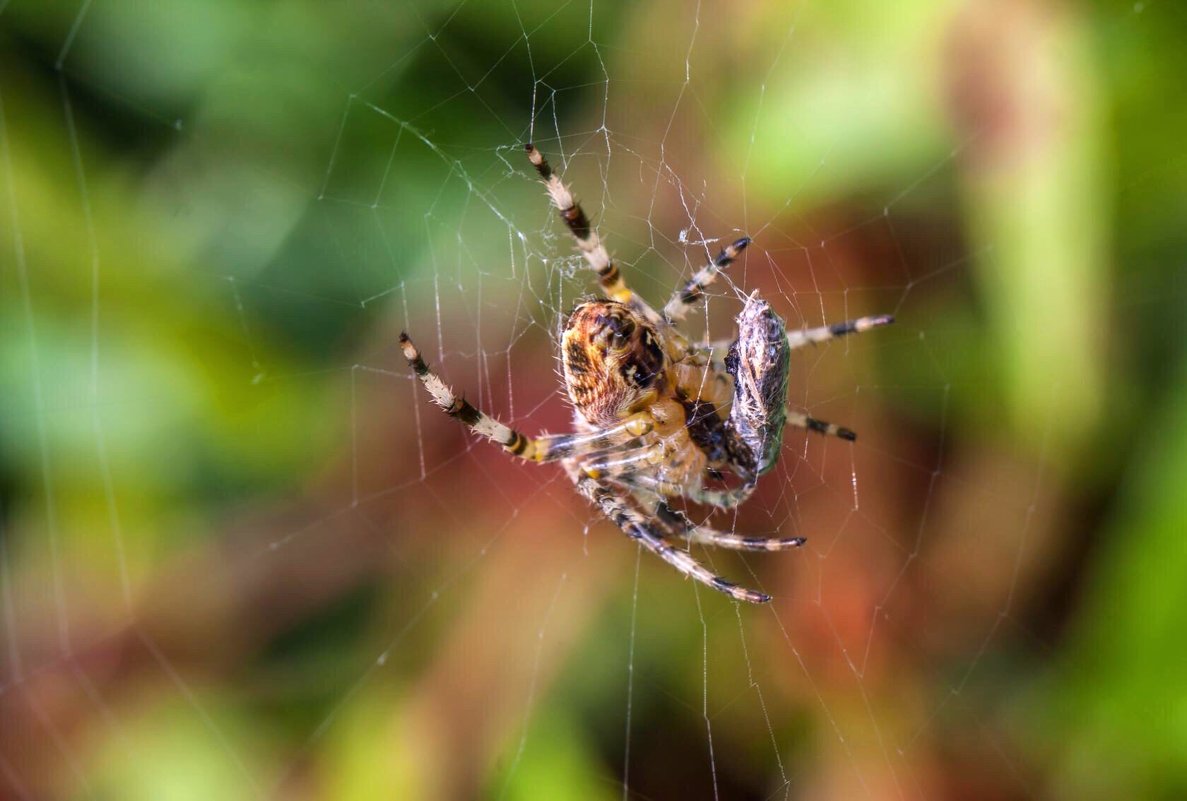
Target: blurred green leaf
{"points": [[1118, 710]]}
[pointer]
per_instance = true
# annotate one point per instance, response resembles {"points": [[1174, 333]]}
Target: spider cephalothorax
{"points": [[657, 418]]}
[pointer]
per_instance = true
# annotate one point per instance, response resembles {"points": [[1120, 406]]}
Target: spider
{"points": [[658, 417]]}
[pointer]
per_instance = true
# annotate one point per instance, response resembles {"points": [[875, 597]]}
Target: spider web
{"points": [[243, 556]]}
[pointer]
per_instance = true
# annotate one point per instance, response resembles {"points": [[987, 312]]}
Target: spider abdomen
{"points": [[613, 361]]}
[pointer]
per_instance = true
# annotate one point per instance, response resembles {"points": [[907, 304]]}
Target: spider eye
{"points": [[619, 329]]}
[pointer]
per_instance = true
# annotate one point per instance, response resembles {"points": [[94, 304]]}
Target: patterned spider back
{"points": [[613, 361]]}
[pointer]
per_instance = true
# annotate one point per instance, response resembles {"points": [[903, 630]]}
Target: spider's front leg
{"points": [[546, 448], [636, 526], [686, 296], [587, 239]]}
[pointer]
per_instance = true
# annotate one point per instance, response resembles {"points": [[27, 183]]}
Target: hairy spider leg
{"points": [[545, 448], [693, 290], [801, 420], [636, 526], [814, 336], [710, 352], [588, 241], [826, 332], [680, 523]]}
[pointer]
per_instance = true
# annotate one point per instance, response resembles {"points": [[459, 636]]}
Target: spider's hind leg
{"points": [[703, 535], [636, 526]]}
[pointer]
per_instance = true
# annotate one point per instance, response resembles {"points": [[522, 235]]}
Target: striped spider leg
{"points": [[713, 354], [679, 523], [823, 333], [545, 448], [684, 298], [599, 260], [614, 505], [588, 242], [712, 351]]}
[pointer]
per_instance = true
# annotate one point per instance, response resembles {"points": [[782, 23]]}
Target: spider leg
{"points": [[813, 336], [680, 523], [636, 526], [546, 448], [714, 352], [588, 241], [622, 467], [722, 499], [797, 339], [709, 353], [801, 420], [686, 296]]}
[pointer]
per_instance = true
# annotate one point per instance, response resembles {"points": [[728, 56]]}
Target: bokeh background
{"points": [[242, 557]]}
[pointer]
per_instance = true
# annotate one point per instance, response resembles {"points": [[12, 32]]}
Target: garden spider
{"points": [[656, 416]]}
